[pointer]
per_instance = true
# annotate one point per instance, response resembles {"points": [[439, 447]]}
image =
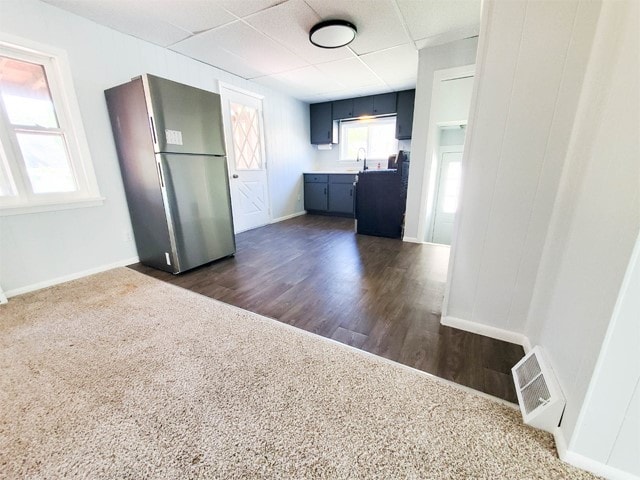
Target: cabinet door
{"points": [[341, 197], [315, 196], [362, 106], [404, 119], [384, 104], [343, 109], [321, 123]]}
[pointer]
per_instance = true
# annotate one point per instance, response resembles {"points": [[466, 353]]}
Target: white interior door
{"points": [[447, 195], [244, 133]]}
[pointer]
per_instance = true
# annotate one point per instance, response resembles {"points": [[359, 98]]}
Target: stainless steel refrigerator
{"points": [[170, 143]]}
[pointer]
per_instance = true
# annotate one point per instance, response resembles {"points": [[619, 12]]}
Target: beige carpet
{"points": [[121, 376]]}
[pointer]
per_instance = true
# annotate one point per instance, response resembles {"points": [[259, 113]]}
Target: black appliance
{"points": [[381, 199]]}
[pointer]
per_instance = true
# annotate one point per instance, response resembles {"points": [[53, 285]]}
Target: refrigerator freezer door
{"points": [[199, 208], [184, 119]]}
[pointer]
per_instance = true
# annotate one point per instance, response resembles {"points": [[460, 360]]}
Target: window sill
{"points": [[51, 207]]}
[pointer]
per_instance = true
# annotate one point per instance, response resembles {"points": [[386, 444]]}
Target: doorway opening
{"points": [[448, 182], [451, 101]]}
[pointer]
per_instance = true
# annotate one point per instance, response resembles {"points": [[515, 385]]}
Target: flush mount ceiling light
{"points": [[332, 34]]}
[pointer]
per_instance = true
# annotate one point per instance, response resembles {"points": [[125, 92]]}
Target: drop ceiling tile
{"points": [[396, 65], [436, 17], [132, 18], [260, 53], [289, 23], [192, 15], [450, 36], [196, 47], [350, 73], [301, 83], [378, 23], [242, 8]]}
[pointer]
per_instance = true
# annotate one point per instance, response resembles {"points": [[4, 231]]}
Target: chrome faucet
{"points": [[364, 157]]}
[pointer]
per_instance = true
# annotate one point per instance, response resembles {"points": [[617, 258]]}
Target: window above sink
{"points": [[375, 135]]}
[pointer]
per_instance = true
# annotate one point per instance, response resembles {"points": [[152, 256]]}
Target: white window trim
{"points": [[62, 90], [343, 144]]}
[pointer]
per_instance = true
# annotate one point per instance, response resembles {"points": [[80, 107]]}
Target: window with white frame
{"points": [[44, 157], [375, 135]]}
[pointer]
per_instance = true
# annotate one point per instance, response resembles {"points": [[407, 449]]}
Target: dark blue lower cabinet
{"points": [[315, 196], [341, 197], [329, 194]]}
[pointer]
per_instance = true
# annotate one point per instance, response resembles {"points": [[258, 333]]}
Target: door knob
{"points": [[235, 175]]}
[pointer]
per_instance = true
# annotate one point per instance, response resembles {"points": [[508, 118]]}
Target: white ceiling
{"points": [[267, 40]]}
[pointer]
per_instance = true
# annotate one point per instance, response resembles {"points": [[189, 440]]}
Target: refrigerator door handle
{"points": [[153, 130], [160, 174]]}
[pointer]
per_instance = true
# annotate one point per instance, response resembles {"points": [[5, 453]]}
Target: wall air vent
{"points": [[539, 395]]}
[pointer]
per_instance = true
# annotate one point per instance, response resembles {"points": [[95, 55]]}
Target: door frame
{"points": [[263, 143], [438, 173], [425, 208]]}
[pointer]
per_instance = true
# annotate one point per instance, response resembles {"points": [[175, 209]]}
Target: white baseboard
{"points": [[526, 344], [486, 330], [411, 240], [69, 277], [586, 463], [287, 217]]}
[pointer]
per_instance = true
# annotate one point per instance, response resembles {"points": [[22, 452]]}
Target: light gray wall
{"points": [[531, 62], [41, 247], [430, 59], [596, 218]]}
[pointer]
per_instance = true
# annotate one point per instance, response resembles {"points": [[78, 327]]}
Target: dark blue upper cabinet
{"points": [[322, 128], [404, 118], [362, 106], [384, 104], [343, 109]]}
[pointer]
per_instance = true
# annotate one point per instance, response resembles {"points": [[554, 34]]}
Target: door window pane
{"points": [[25, 94], [47, 162], [245, 129], [452, 188]]}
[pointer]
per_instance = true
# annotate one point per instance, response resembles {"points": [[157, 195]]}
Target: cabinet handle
{"points": [[351, 192], [325, 190], [328, 134]]}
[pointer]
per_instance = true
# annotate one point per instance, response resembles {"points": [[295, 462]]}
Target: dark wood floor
{"points": [[377, 294]]}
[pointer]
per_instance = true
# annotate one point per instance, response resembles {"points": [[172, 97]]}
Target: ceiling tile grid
{"points": [[267, 40]]}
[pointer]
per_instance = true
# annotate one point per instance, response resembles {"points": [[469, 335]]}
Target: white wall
{"points": [[531, 61], [551, 209], [608, 428], [596, 218], [430, 59], [41, 247]]}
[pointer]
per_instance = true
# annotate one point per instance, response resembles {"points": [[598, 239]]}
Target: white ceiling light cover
{"points": [[332, 34]]}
